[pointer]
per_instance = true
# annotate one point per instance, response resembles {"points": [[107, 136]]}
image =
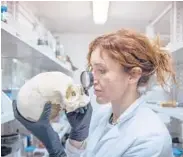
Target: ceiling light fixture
{"points": [[15, 60], [100, 11]]}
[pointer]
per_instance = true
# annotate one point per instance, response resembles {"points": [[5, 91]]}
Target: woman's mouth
{"points": [[98, 92]]}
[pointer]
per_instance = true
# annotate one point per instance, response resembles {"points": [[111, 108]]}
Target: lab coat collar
{"points": [[130, 111], [115, 131], [111, 134], [97, 134]]}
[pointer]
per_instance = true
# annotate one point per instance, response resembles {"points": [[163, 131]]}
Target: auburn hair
{"points": [[133, 49]]}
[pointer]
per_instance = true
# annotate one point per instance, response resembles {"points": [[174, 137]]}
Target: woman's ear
{"points": [[135, 74]]}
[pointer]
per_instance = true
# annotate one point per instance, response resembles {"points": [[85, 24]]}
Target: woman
{"points": [[121, 63]]}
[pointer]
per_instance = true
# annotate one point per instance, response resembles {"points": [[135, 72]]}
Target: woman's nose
{"points": [[95, 79]]}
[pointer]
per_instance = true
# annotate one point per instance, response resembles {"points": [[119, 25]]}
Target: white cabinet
{"points": [[6, 108]]}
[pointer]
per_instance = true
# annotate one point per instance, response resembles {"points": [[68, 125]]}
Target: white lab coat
{"points": [[139, 133]]}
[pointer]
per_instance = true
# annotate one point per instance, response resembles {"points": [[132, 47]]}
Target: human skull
{"points": [[54, 87]]}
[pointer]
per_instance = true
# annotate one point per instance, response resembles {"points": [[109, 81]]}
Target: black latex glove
{"points": [[80, 122], [43, 130]]}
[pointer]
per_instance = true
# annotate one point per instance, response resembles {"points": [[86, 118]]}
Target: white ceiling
{"points": [[72, 16]]}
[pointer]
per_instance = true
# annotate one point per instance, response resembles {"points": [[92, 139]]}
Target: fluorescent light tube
{"points": [[100, 11]]}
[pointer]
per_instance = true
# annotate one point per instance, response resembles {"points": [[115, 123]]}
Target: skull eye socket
{"points": [[69, 92], [73, 93]]}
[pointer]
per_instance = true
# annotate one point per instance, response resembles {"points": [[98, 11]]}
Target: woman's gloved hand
{"points": [[43, 130], [80, 122]]}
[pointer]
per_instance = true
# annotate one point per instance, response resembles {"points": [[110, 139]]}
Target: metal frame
{"points": [[176, 22], [163, 13]]}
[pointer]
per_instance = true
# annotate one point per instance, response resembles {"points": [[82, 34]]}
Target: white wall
{"points": [[76, 46]]}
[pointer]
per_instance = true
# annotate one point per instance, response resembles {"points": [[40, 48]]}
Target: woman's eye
{"points": [[102, 71]]}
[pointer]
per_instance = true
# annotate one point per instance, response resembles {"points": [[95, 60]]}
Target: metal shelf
{"points": [[15, 46], [172, 112]]}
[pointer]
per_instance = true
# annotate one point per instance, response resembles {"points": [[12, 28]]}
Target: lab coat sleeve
{"points": [[96, 116], [71, 151], [152, 146]]}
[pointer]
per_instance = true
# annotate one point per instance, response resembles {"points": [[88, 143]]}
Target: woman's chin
{"points": [[101, 100]]}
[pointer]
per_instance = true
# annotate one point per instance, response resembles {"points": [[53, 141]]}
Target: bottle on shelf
{"points": [[4, 10], [60, 54]]}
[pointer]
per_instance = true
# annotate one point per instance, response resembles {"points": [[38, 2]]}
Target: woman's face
{"points": [[110, 80]]}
